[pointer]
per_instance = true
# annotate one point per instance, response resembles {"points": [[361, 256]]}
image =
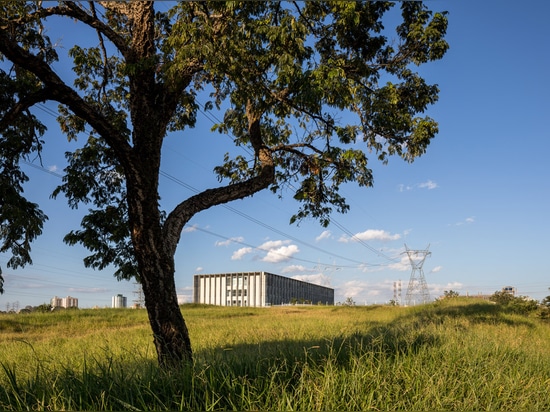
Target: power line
{"points": [[246, 216], [42, 168], [341, 227], [354, 237], [236, 211], [263, 224], [212, 118]]}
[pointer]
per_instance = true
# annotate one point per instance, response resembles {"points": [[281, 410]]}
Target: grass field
{"points": [[457, 354]]}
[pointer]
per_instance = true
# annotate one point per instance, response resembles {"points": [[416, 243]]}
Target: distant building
{"points": [[68, 302], [510, 290], [257, 289], [118, 301]]}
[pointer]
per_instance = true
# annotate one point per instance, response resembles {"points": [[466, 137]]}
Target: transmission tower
{"points": [[139, 301], [417, 292], [397, 292]]}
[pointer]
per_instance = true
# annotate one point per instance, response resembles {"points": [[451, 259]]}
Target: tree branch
{"points": [[211, 197], [60, 92], [22, 105], [182, 213], [72, 10]]}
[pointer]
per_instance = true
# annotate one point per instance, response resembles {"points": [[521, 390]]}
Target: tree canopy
{"points": [[282, 73]]}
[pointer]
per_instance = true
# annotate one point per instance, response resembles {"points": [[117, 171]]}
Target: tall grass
{"points": [[454, 355]]}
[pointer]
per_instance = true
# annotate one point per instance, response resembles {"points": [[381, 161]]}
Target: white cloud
{"points": [[326, 234], [467, 221], [53, 168], [366, 292], [317, 279], [353, 289], [227, 242], [281, 254], [271, 244], [370, 234], [436, 269], [294, 268], [189, 229], [428, 185], [364, 267], [183, 299], [401, 266], [185, 295], [362, 291], [238, 255], [437, 290], [276, 251], [199, 269]]}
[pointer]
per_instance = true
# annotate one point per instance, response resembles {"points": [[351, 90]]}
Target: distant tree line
{"points": [[44, 307]]}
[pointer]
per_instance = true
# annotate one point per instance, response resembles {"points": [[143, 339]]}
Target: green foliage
{"points": [[517, 304], [45, 307], [449, 294], [501, 297], [308, 88], [304, 66], [544, 308], [546, 301], [21, 221]]}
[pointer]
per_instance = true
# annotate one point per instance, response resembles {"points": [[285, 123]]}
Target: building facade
{"points": [[118, 301], [257, 289], [68, 302], [510, 290]]}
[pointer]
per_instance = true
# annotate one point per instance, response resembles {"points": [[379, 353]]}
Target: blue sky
{"points": [[479, 197]]}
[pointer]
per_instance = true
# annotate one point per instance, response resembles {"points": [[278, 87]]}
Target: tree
{"points": [[279, 67], [517, 304], [349, 301], [449, 294], [501, 297], [44, 307]]}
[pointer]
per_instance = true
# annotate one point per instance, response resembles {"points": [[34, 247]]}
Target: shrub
{"points": [[522, 305], [45, 307]]}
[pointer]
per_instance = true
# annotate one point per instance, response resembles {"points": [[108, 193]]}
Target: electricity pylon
{"points": [[417, 292], [139, 301], [397, 292]]}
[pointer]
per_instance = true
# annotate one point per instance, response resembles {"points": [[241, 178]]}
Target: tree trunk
{"points": [[156, 271], [170, 333]]}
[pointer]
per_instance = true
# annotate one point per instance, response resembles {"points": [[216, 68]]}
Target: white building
{"points": [[510, 290], [118, 301], [68, 302], [257, 289]]}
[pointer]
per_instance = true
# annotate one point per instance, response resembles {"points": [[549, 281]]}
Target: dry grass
{"points": [[460, 355]]}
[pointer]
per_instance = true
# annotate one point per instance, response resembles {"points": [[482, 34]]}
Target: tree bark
{"points": [[156, 271], [170, 333]]}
